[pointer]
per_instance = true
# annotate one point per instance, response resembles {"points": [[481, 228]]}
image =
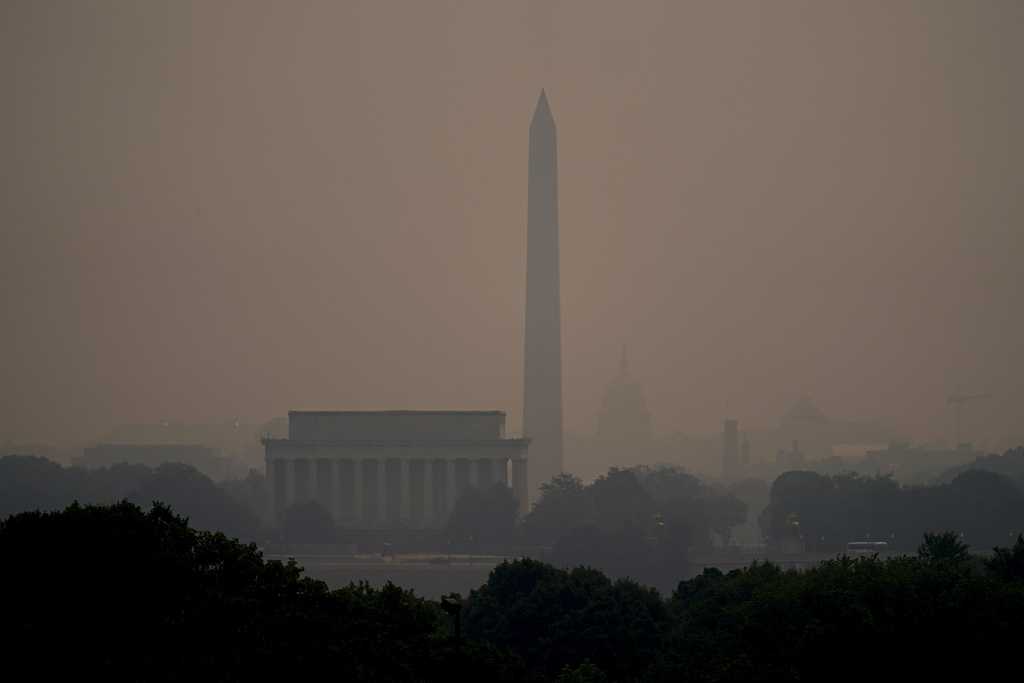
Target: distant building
{"points": [[203, 458], [916, 464], [624, 434], [624, 422], [793, 459], [391, 469], [231, 438], [820, 437]]}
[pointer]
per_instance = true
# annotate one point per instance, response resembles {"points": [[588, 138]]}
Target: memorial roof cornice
{"points": [[446, 443], [396, 412]]}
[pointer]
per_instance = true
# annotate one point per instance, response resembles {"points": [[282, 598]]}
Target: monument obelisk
{"points": [[542, 377]]}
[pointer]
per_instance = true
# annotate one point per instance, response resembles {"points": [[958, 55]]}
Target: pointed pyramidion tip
{"points": [[543, 109]]}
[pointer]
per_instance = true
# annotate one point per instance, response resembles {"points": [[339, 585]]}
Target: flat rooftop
{"points": [[395, 425], [395, 412]]}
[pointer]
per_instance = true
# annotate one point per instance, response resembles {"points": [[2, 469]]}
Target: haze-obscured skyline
{"points": [[220, 209]]}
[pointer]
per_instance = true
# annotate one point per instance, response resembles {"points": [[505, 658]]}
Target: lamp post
{"points": [[452, 604]]}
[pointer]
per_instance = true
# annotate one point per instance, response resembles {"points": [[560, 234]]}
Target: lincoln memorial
{"points": [[389, 469]]}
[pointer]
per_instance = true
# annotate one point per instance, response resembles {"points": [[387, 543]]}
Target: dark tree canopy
{"points": [[32, 483], [309, 522], [562, 506], [116, 593], [197, 497], [484, 518], [131, 595], [944, 548], [640, 523], [1007, 564], [556, 619], [828, 512]]}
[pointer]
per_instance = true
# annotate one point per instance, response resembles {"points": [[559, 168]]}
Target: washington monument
{"points": [[542, 380]]}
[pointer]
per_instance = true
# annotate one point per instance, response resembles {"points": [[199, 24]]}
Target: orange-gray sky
{"points": [[213, 209]]}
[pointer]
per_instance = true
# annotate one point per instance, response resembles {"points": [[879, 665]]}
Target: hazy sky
{"points": [[214, 209]]}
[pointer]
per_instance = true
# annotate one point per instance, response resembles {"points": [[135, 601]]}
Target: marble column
{"points": [[345, 491], [428, 493], [382, 491], [519, 485], [289, 485], [450, 485], [273, 479], [311, 491], [484, 473], [503, 472], [439, 492], [404, 488], [357, 491], [336, 494], [371, 492]]}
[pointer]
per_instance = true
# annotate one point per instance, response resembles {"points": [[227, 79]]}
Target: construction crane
{"points": [[957, 400]]}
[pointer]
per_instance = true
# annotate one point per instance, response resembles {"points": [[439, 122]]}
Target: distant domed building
{"points": [[805, 434], [624, 422], [803, 413], [809, 431]]}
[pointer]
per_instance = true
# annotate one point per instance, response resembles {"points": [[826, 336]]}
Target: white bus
{"points": [[860, 548]]}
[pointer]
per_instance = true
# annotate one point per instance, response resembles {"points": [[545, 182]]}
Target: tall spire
{"points": [[542, 377], [543, 109]]}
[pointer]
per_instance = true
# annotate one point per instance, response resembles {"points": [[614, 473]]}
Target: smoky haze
{"points": [[239, 208]]}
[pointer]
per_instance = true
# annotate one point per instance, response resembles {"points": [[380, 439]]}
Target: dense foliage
{"points": [[308, 523], [118, 593], [640, 523], [483, 519], [1010, 464], [557, 618], [909, 617], [825, 513], [33, 483]]}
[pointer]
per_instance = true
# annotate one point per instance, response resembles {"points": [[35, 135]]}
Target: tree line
{"points": [[117, 592], [29, 482], [642, 522], [825, 512]]}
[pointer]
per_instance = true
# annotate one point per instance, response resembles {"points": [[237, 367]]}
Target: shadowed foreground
{"points": [[125, 594]]}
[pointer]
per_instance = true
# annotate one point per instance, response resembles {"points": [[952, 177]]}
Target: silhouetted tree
{"points": [[619, 501], [308, 522], [28, 482], [837, 621], [562, 506], [484, 518], [194, 495], [830, 511], [31, 483], [638, 523], [115, 593], [621, 553], [943, 548], [119, 593], [986, 507], [554, 619], [585, 672], [692, 510], [1010, 464], [252, 493], [1008, 563]]}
